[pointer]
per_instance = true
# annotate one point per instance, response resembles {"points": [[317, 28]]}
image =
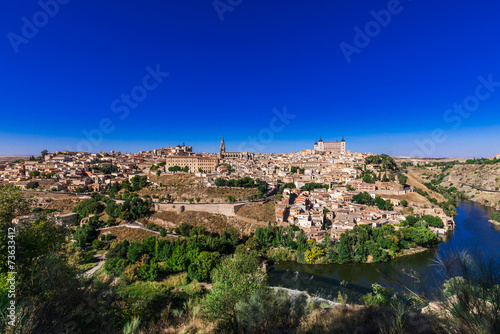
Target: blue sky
{"points": [[234, 69]]}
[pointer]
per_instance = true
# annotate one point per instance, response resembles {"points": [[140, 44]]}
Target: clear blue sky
{"points": [[226, 76]]}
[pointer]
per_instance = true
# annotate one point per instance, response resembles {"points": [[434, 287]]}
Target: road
{"points": [[481, 189], [139, 226], [102, 259]]}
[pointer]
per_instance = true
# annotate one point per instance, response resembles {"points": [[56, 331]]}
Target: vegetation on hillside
{"points": [[136, 183], [154, 285], [385, 162], [365, 198]]}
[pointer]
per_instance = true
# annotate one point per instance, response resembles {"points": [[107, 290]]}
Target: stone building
{"points": [[233, 155], [195, 162], [335, 147]]}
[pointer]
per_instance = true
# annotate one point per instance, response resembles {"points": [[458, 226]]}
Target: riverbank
{"points": [[413, 251], [473, 231], [494, 222]]}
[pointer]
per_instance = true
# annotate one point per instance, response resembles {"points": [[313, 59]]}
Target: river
{"points": [[473, 232]]}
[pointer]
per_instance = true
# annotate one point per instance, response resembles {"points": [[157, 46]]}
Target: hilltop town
{"points": [[325, 190]]}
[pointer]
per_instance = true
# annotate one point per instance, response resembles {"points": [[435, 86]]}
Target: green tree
{"points": [[135, 251], [44, 153], [200, 269], [402, 178], [12, 204], [234, 280]]}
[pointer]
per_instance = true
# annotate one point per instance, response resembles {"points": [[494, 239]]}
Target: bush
{"points": [[433, 221], [469, 299], [177, 279], [115, 266], [98, 244], [495, 216], [380, 296], [194, 288]]}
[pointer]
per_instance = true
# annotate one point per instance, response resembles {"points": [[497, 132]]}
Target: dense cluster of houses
{"points": [[318, 211], [326, 210]]}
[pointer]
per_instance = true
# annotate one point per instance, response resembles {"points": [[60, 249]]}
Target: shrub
{"points": [[380, 296], [177, 279], [115, 266]]}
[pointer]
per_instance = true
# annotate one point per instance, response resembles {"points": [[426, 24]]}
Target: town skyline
{"points": [[212, 147], [178, 73]]}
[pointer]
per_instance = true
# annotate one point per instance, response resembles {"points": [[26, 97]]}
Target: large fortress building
{"points": [[335, 147]]}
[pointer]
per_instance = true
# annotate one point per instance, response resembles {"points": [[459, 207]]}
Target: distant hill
{"points": [[9, 158], [463, 177]]}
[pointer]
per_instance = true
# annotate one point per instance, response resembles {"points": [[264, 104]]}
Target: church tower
{"points": [[222, 148]]}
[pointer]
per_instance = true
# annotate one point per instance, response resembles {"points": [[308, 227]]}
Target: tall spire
{"points": [[222, 145]]}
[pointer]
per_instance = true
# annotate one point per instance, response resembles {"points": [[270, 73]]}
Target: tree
{"points": [[433, 220], [200, 269], [314, 253], [220, 182], [12, 204], [44, 153], [50, 287], [174, 169], [134, 251], [402, 178], [404, 203], [35, 173], [363, 198], [234, 280]]}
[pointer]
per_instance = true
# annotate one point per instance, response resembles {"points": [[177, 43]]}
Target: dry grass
{"points": [[410, 197], [178, 179], [188, 324], [64, 204], [131, 234], [176, 279], [219, 195], [214, 223], [415, 180], [360, 319], [260, 211]]}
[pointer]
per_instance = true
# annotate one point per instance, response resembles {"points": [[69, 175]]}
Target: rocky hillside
{"points": [[480, 176], [463, 177]]}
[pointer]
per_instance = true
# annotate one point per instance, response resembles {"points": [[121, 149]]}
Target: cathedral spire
{"points": [[222, 145]]}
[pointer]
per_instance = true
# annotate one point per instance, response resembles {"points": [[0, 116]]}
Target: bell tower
{"points": [[222, 148]]}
